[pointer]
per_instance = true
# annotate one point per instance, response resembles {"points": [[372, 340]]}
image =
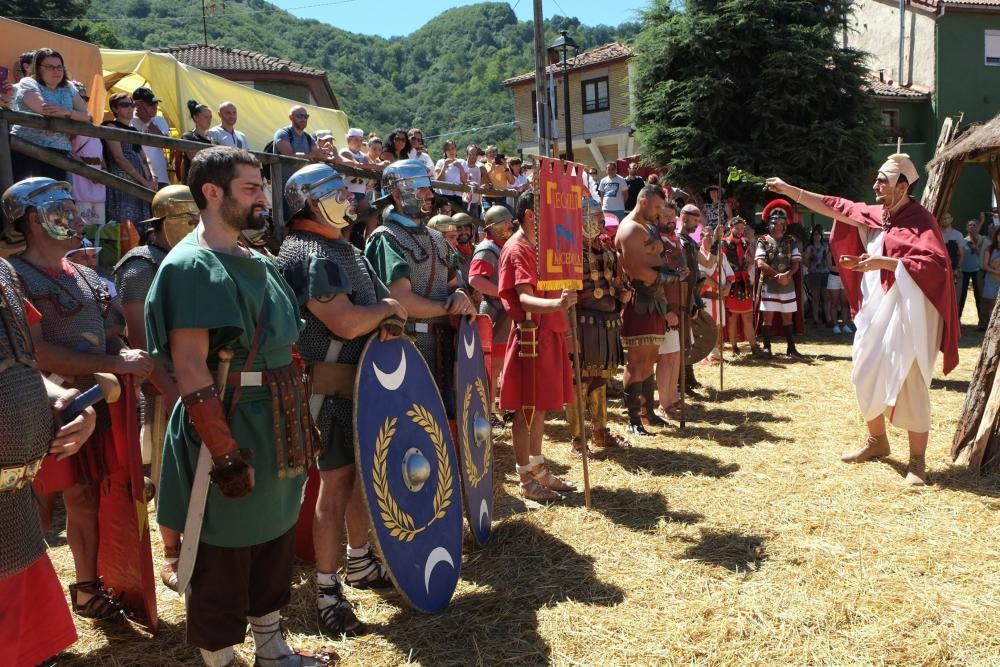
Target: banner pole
{"points": [[721, 276], [581, 429]]}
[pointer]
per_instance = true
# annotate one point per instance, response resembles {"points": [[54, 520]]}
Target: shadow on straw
{"points": [[731, 550], [670, 463], [638, 511]]}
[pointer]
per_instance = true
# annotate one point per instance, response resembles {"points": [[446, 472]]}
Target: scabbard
{"points": [[527, 351]]}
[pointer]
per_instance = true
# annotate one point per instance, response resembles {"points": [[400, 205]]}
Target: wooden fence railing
{"points": [[278, 163]]}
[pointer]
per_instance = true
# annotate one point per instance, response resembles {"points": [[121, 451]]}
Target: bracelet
{"points": [[800, 196]]}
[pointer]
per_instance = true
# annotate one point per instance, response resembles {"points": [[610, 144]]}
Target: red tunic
{"points": [[35, 623], [553, 380], [914, 239]]}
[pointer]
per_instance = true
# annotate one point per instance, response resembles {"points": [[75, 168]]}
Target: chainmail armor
{"points": [[73, 305], [427, 253], [335, 420], [135, 271], [26, 428]]}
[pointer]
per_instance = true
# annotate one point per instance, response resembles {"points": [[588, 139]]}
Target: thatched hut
{"points": [[978, 144], [977, 437]]}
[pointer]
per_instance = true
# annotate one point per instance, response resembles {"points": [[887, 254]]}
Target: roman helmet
{"points": [[443, 223], [466, 225], [407, 177], [324, 185], [175, 214], [498, 222], [53, 202], [593, 219], [777, 211]]}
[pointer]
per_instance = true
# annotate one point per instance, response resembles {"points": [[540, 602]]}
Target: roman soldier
{"points": [[739, 302], [414, 262], [71, 345], [174, 216], [778, 256], [668, 363], [466, 227], [598, 312], [690, 221], [214, 303], [494, 322], [36, 623], [342, 303], [647, 315]]}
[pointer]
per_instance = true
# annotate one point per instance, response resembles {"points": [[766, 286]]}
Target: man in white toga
{"points": [[898, 279]]}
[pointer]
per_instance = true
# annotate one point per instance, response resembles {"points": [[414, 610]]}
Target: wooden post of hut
{"points": [[977, 437]]}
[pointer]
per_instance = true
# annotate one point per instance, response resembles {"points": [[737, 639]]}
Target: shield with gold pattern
{"points": [[475, 445], [409, 472]]}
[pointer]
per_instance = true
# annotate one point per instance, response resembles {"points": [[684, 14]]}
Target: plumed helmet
{"points": [[174, 213], [315, 181], [778, 210], [39, 193], [443, 223]]}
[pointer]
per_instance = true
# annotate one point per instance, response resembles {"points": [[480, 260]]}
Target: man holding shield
{"points": [[342, 303], [898, 279]]}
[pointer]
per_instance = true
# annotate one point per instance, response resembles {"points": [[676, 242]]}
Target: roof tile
{"points": [[889, 89], [595, 56], [214, 57]]}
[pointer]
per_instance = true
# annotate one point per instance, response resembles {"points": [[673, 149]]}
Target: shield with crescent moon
{"points": [[409, 472], [475, 444]]}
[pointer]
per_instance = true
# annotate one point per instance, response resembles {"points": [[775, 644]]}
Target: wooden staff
{"points": [[722, 315], [581, 429], [682, 325]]}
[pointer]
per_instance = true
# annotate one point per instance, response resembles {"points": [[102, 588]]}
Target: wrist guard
{"points": [[205, 411], [233, 475]]}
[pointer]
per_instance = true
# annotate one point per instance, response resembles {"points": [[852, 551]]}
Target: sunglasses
{"points": [[125, 104], [420, 139], [53, 68], [301, 116], [402, 139]]}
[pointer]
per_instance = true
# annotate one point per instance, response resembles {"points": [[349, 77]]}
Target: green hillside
{"points": [[443, 77]]}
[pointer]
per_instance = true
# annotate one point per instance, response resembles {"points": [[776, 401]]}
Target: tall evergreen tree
{"points": [[761, 84]]}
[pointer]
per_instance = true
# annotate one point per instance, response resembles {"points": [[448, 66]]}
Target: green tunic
{"points": [[387, 259], [196, 288]]}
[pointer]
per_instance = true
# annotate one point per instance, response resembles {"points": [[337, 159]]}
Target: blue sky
{"points": [[408, 15]]}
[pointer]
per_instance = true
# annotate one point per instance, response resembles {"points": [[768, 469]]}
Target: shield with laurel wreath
{"points": [[475, 444], [409, 472]]}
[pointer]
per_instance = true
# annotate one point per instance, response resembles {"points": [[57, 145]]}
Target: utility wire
{"points": [[183, 17]]}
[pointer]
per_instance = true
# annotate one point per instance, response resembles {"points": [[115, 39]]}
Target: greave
{"points": [[633, 392], [598, 403], [573, 418]]}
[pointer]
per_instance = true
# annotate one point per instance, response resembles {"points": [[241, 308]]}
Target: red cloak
{"points": [[914, 239]]}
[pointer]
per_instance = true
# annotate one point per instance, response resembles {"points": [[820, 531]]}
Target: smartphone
{"points": [[3, 75], [499, 159]]}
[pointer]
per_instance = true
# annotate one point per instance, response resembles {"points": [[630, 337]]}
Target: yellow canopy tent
{"points": [[83, 60], [260, 113]]}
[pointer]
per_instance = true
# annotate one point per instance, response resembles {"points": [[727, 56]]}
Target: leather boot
{"points": [[916, 471], [632, 394], [789, 330], [766, 335], [876, 447], [648, 387], [691, 382]]}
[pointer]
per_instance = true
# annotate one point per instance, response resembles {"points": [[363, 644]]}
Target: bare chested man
{"points": [[644, 319]]}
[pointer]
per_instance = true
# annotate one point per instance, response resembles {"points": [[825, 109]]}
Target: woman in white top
{"points": [[450, 170], [473, 176]]}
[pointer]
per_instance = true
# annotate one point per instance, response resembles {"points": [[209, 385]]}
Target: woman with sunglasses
{"points": [[201, 116], [126, 161], [399, 145], [48, 92]]}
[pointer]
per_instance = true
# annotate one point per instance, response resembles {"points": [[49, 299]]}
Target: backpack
{"points": [[266, 169]]}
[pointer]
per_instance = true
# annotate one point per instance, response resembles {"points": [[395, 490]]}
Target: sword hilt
{"points": [[222, 372]]}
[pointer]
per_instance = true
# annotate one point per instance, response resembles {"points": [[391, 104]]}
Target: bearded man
{"points": [[212, 296], [778, 258], [898, 280], [645, 318]]}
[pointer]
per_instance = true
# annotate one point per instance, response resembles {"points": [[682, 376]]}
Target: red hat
{"points": [[778, 204]]}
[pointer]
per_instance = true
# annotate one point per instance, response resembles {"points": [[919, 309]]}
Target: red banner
{"points": [[559, 224]]}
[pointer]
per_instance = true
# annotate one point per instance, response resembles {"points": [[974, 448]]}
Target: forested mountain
{"points": [[445, 76]]}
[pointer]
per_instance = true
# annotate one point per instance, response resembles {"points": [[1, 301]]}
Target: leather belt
{"points": [[14, 478], [332, 379], [245, 379]]}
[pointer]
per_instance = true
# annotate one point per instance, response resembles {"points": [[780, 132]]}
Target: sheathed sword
{"points": [[199, 491]]}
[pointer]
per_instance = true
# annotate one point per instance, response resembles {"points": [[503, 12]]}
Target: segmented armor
{"points": [[598, 315]]}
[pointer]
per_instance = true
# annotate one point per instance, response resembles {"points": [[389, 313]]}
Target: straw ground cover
{"points": [[741, 541]]}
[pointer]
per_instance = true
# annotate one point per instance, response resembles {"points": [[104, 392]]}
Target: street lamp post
{"points": [[564, 43]]}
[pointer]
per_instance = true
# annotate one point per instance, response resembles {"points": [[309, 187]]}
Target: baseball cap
{"points": [[355, 132], [144, 94]]}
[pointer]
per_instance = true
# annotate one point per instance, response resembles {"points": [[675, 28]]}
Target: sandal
{"points": [[577, 449], [168, 572], [544, 476], [103, 606], [532, 490], [301, 658], [605, 439]]}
